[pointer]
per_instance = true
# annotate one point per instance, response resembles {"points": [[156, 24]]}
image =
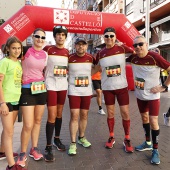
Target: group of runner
{"points": [[49, 74]]}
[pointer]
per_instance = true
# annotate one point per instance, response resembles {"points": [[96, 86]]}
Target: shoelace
{"points": [[21, 156], [83, 140], [128, 142], [110, 139], [59, 141], [155, 153], [72, 146], [37, 150]]}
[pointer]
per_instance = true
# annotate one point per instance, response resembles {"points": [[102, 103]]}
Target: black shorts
{"points": [[28, 99], [96, 84], [12, 107]]}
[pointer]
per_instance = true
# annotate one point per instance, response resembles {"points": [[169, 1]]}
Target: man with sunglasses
{"points": [[79, 93], [114, 85], [57, 85], [146, 67]]}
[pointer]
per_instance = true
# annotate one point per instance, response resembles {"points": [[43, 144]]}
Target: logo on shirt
{"points": [[147, 63], [54, 52], [74, 61]]}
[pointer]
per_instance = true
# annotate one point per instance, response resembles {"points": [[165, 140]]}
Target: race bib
{"points": [[38, 87], [82, 81], [113, 71], [60, 71], [139, 83]]}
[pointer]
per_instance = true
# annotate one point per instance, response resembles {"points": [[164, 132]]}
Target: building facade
{"points": [[135, 10]]}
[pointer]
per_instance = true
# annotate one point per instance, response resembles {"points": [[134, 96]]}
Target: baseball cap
{"points": [[81, 39], [60, 29], [109, 29]]}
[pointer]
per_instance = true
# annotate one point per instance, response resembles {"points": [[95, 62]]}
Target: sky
{"points": [[53, 4], [50, 3]]}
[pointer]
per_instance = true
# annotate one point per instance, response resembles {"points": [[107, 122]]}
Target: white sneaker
{"points": [[166, 120], [101, 112], [103, 101]]}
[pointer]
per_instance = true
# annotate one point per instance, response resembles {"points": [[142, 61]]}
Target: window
{"points": [[129, 8]]}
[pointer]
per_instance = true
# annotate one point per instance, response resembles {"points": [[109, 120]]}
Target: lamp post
{"points": [[147, 21]]}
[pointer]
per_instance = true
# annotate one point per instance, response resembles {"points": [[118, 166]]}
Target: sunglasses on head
{"points": [[59, 26], [138, 44], [38, 36], [109, 36]]}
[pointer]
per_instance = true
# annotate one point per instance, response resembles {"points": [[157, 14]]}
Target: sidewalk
{"points": [[98, 157]]}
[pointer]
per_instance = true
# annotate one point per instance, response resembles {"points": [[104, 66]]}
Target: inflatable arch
{"points": [[23, 23]]}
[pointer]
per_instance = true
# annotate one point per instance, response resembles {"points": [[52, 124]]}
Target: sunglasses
{"points": [[109, 36], [138, 44], [38, 36], [59, 26]]}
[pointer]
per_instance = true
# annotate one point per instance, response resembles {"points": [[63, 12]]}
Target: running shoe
{"points": [[3, 156], [127, 146], [83, 141], [143, 147], [48, 155], [15, 167], [57, 143], [101, 112], [166, 119], [22, 159], [155, 157], [109, 144], [72, 149], [36, 154]]}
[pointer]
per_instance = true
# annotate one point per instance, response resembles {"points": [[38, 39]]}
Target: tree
{"points": [[2, 21]]}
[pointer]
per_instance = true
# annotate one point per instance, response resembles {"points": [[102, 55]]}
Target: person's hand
{"points": [[4, 109], [157, 89]]}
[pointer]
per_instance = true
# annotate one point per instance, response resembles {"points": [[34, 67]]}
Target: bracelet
{"points": [[165, 86], [2, 103]]}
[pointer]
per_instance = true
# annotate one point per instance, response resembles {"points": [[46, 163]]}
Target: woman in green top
{"points": [[10, 91]]}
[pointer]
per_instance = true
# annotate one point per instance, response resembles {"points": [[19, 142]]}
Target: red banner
{"points": [[23, 23]]}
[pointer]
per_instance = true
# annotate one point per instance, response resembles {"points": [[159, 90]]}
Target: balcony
{"points": [[99, 1], [106, 9], [90, 5], [114, 7], [156, 12], [156, 3]]}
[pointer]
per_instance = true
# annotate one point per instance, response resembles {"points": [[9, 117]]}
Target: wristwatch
{"points": [[165, 86]]}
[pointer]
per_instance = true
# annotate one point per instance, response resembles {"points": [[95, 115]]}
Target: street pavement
{"points": [[98, 157]]}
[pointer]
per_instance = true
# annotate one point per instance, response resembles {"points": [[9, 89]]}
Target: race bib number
{"points": [[38, 87], [139, 83], [113, 71], [82, 81], [60, 71]]}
